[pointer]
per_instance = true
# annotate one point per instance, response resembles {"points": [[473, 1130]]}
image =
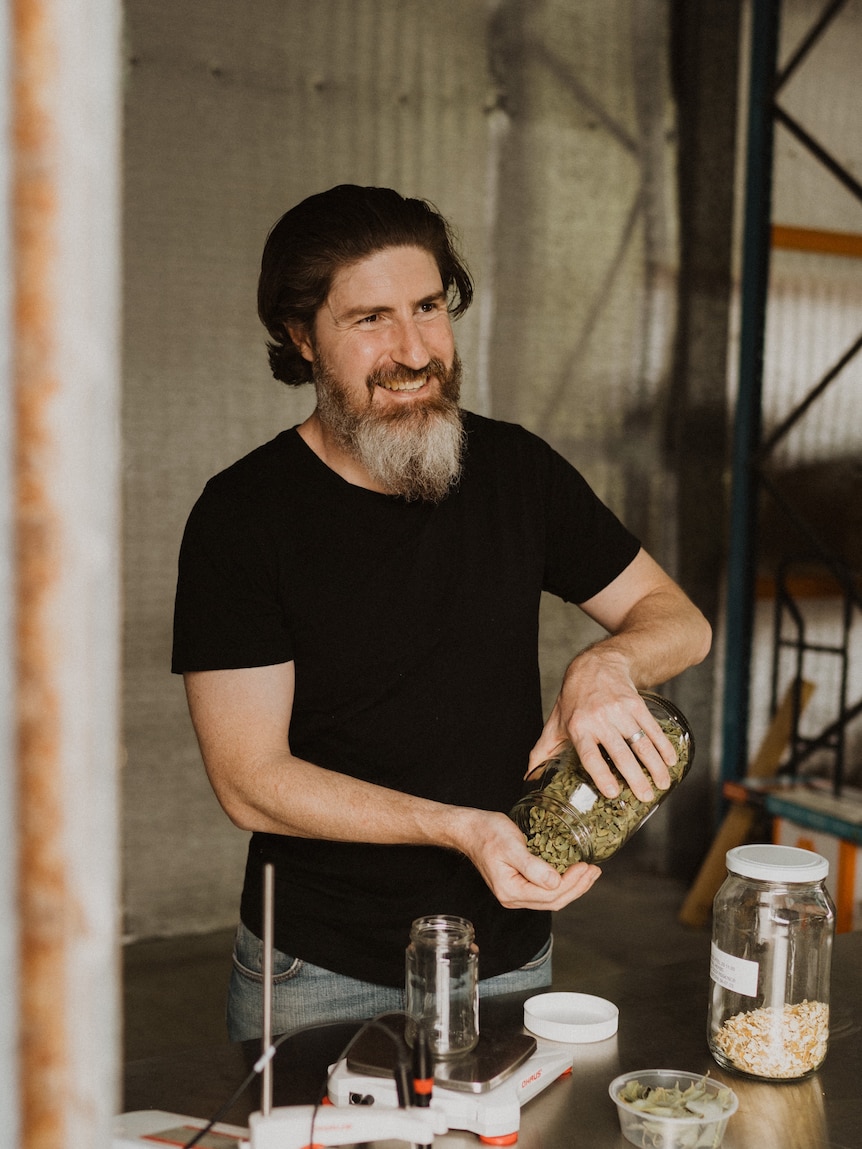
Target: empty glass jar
{"points": [[773, 926], [442, 984], [566, 819]]}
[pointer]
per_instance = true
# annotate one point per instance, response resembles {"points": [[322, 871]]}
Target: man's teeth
{"points": [[404, 385]]}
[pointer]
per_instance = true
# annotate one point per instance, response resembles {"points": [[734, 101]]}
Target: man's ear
{"points": [[301, 339]]}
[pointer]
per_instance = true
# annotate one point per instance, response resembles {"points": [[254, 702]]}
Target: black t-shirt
{"points": [[414, 632]]}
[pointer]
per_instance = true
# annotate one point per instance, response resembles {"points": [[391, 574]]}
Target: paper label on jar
{"points": [[583, 798], [737, 974]]}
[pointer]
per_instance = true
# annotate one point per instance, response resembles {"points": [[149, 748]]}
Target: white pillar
{"points": [[65, 112]]}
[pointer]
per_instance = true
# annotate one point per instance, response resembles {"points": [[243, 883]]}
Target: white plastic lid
{"points": [[768, 863], [573, 1018]]}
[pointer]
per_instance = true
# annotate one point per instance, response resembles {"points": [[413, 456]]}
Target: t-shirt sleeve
{"points": [[587, 546], [228, 612]]}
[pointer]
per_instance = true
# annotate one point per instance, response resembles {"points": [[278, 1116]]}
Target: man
{"points": [[357, 625]]}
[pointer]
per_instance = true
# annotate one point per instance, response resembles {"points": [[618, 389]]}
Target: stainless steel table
{"points": [[662, 1025]]}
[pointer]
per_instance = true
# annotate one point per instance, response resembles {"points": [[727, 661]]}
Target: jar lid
{"points": [[769, 863], [572, 1018]]}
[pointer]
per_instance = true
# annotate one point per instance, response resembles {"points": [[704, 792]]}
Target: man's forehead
{"points": [[385, 278]]}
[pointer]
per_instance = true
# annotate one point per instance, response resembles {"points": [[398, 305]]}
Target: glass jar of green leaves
{"points": [[566, 819]]}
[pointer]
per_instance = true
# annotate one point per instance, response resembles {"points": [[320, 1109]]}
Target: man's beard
{"points": [[414, 452]]}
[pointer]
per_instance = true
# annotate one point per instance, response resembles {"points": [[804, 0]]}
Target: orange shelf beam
{"points": [[815, 240]]}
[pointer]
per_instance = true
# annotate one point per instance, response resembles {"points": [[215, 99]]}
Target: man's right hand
{"points": [[516, 877]]}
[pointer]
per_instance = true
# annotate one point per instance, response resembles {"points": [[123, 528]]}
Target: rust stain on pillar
{"points": [[42, 874]]}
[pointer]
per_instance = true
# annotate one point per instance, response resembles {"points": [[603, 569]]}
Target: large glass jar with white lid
{"points": [[772, 932]]}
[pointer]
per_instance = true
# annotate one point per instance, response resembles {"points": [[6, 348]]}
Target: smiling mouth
{"points": [[403, 384], [404, 380]]}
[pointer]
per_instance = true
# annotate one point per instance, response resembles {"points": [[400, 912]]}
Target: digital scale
{"points": [[481, 1091]]}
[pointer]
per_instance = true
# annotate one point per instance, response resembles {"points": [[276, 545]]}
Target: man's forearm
{"points": [[287, 795], [662, 635]]}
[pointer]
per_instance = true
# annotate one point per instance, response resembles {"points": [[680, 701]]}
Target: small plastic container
{"points": [[566, 819], [442, 985], [701, 1106], [773, 925]]}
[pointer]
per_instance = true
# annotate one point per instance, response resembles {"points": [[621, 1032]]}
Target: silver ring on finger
{"points": [[636, 737]]}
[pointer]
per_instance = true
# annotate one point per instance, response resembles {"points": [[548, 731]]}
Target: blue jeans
{"points": [[304, 994]]}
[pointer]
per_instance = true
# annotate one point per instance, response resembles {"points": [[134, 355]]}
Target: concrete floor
{"points": [[174, 989]]}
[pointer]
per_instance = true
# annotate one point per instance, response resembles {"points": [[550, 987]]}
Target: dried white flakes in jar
{"points": [[769, 1042]]}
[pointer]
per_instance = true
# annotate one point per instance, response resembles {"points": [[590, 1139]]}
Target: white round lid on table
{"points": [[573, 1018]]}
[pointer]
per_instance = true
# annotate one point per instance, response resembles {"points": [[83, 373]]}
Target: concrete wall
{"points": [[545, 131]]}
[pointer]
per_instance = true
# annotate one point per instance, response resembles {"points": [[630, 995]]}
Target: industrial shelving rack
{"points": [[751, 450]]}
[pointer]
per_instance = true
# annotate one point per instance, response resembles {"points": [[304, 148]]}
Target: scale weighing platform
{"points": [[481, 1091]]}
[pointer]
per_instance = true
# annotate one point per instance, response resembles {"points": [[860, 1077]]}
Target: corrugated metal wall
{"points": [[814, 318], [815, 300]]}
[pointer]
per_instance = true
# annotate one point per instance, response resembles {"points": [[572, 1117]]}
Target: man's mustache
{"points": [[401, 374]]}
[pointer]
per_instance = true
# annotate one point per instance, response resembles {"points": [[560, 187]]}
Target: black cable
{"points": [[256, 1071], [401, 1067], [228, 1105], [402, 1075]]}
